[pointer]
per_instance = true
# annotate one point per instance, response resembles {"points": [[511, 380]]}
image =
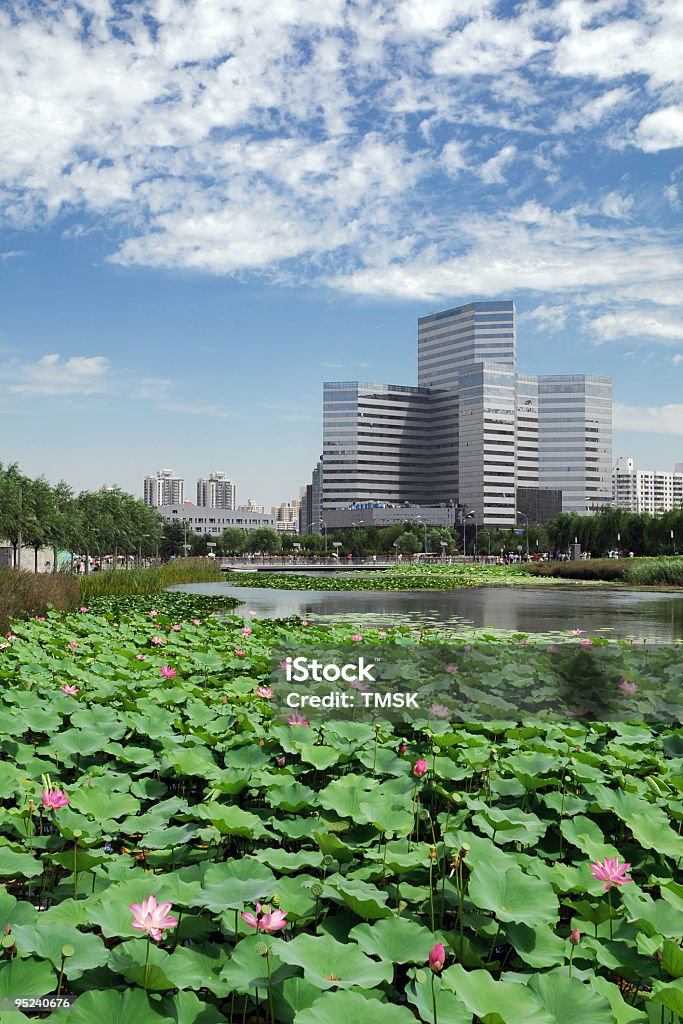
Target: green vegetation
{"points": [[153, 580], [315, 874], [642, 572], [401, 577], [24, 593]]}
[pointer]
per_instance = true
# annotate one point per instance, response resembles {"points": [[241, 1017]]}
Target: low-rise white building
{"points": [[202, 519], [646, 490]]}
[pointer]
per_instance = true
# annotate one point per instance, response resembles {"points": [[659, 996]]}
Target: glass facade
{"points": [[473, 431]]}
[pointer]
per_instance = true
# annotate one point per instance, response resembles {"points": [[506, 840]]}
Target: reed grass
{"points": [[23, 594], [153, 580]]}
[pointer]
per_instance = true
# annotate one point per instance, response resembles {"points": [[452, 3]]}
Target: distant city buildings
{"points": [[646, 490], [286, 516], [252, 506], [163, 488], [217, 491], [473, 431]]}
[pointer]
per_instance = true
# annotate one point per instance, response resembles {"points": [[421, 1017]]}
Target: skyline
{"points": [[209, 210]]}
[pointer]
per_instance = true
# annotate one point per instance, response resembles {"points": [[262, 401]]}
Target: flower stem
{"points": [[270, 990], [434, 999], [147, 965]]}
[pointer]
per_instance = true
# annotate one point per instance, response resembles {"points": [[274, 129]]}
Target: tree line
{"points": [[36, 514]]}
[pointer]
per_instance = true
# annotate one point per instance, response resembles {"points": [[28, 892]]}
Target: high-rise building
{"points": [[646, 490], [217, 491], [575, 440], [163, 488], [473, 431], [310, 511]]}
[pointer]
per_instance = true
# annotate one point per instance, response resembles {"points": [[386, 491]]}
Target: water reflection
{"points": [[637, 614]]}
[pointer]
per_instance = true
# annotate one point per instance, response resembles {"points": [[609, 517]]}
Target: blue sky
{"points": [[209, 208]]}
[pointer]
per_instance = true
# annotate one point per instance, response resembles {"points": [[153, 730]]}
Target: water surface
{"points": [[632, 614]]}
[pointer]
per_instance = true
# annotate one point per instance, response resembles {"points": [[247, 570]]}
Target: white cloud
{"points": [[51, 375], [548, 318], [638, 322], [11, 254], [677, 359], [616, 206], [492, 172], [661, 130], [453, 158], [658, 419]]}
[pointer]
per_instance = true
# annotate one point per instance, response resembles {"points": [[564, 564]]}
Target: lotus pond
{"points": [[173, 851]]}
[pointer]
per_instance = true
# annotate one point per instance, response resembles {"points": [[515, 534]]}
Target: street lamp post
{"points": [[323, 523], [526, 523], [673, 543], [468, 515]]}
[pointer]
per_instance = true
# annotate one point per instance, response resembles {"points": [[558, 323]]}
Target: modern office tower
{"points": [[575, 440], [454, 338], [473, 431], [310, 512], [376, 444], [486, 443], [646, 490], [217, 491], [527, 431], [164, 488]]}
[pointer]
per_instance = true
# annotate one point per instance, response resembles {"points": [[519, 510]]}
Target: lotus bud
{"points": [[276, 901], [327, 860], [575, 937], [8, 929], [465, 849], [437, 957], [432, 853]]}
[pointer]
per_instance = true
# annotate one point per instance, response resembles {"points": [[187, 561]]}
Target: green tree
{"points": [[232, 541], [264, 540]]}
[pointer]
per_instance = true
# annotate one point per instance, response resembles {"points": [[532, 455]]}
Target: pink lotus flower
{"points": [[553, 649], [176, 628], [246, 631], [437, 957], [296, 719], [153, 613], [141, 657], [167, 672], [356, 684], [402, 749], [53, 799], [282, 761], [586, 644], [282, 665], [356, 637], [72, 644], [252, 613], [420, 768], [304, 622], [196, 622], [269, 921], [157, 641], [84, 609], [439, 710], [628, 689], [224, 699], [382, 632], [266, 691], [451, 669], [576, 632], [239, 653], [610, 872], [40, 618], [153, 917], [71, 691], [575, 936]]}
